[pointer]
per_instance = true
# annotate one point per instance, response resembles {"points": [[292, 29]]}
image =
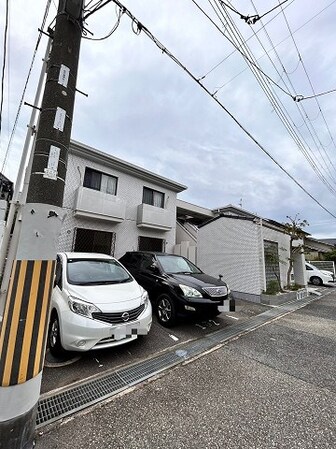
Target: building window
{"points": [[272, 261], [94, 241], [150, 244], [153, 197], [96, 180]]}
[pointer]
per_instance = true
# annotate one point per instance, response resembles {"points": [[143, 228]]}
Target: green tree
{"points": [[294, 228], [331, 256]]}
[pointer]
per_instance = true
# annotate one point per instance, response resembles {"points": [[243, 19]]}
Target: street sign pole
{"points": [[25, 319]]}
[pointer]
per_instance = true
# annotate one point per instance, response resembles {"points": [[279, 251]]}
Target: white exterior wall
{"points": [[130, 189], [233, 248]]}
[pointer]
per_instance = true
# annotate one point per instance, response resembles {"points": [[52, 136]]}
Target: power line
{"points": [[312, 88], [272, 97], [250, 20], [238, 49], [4, 59], [46, 12], [164, 50], [305, 97], [303, 111], [268, 51], [114, 28]]}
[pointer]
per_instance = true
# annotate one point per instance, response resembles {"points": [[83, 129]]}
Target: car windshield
{"points": [[96, 272], [177, 264]]}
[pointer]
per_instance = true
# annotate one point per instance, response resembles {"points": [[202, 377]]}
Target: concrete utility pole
{"points": [[25, 320]]}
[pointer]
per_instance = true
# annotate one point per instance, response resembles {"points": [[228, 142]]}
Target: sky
{"points": [[144, 108]]}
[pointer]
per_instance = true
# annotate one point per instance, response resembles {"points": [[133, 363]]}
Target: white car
{"points": [[96, 303], [318, 277]]}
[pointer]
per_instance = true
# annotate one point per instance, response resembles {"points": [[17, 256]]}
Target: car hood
{"points": [[197, 280], [118, 296], [327, 273]]}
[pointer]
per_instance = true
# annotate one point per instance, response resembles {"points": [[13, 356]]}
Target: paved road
{"points": [[58, 373], [272, 388]]}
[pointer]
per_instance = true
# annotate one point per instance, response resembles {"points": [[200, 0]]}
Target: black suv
{"points": [[176, 286]]}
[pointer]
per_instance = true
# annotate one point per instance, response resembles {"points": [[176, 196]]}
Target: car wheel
{"points": [[54, 338], [166, 311], [316, 280]]}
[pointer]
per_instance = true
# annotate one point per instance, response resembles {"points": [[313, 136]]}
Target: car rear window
{"points": [[96, 272]]}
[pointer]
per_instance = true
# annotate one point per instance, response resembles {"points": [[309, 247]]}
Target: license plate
{"points": [[125, 330]]}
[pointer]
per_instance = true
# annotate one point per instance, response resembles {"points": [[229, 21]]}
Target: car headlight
{"points": [[82, 307], [190, 292], [144, 298]]}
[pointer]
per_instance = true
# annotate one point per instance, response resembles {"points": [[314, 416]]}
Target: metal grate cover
{"points": [[52, 407]]}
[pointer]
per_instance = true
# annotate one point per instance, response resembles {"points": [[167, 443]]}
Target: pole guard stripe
{"points": [[25, 321]]}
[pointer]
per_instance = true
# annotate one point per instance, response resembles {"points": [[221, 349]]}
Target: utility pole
{"points": [[25, 320]]}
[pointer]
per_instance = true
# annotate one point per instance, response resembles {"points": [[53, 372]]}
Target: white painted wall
{"points": [[233, 248], [130, 190]]}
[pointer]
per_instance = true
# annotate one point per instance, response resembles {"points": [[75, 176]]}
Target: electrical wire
{"points": [[46, 12], [250, 20], [164, 50], [269, 50], [272, 97], [312, 88], [308, 97], [119, 13], [310, 127], [4, 60], [239, 50]]}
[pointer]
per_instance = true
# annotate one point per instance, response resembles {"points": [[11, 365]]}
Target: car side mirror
{"points": [[154, 268], [220, 276]]}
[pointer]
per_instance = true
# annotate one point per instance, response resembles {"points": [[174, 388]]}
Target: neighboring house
{"points": [[236, 243], [316, 249], [329, 241], [114, 206], [6, 194]]}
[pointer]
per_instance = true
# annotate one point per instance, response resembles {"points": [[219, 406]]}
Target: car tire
{"points": [[315, 280], [54, 338], [166, 310]]}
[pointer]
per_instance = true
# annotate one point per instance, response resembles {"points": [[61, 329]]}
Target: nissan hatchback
{"points": [[177, 287], [96, 303]]}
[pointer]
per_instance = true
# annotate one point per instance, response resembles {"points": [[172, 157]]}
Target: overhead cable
{"points": [[250, 20], [4, 60], [303, 113], [164, 50], [46, 12], [275, 101]]}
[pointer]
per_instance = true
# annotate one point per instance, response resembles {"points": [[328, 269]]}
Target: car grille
{"points": [[216, 291], [115, 318]]}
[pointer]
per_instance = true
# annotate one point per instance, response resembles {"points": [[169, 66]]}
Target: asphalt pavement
{"points": [[271, 388]]}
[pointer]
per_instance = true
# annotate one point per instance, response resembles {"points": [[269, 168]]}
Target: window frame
{"points": [[101, 174], [151, 191]]}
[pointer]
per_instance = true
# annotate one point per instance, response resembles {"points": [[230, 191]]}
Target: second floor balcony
{"points": [[91, 203], [154, 217]]}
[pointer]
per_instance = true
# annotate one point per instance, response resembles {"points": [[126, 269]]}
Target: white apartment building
{"points": [[113, 206]]}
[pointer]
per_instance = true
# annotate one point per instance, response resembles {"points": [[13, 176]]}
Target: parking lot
{"points": [[77, 366]]}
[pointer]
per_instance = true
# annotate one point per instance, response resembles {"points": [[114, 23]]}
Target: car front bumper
{"points": [[202, 306], [79, 333]]}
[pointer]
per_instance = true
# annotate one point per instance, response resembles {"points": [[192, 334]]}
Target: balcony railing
{"points": [[95, 204], [154, 217]]}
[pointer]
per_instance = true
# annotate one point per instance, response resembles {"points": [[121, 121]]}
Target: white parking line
{"points": [[233, 317], [173, 337]]}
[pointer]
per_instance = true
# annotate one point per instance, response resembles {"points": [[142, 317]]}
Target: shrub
{"points": [[272, 287]]}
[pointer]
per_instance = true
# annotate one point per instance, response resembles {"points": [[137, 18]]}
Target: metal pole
{"points": [[19, 180], [25, 320]]}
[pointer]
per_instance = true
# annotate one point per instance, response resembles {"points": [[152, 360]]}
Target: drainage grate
{"points": [[68, 401]]}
